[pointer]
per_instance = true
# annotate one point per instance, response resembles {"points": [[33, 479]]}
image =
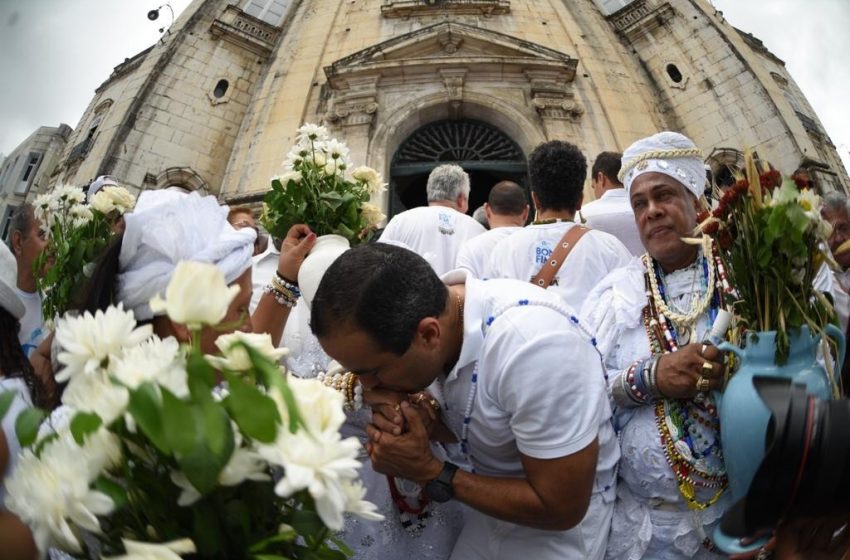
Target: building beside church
{"points": [[410, 84], [28, 169]]}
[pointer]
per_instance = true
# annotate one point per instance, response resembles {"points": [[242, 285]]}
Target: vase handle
{"points": [[835, 333], [727, 346], [733, 545]]}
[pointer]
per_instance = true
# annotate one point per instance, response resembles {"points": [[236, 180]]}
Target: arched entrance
{"points": [[484, 151]]}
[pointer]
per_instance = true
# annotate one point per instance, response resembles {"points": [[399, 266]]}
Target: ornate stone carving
{"points": [[248, 32], [552, 96], [453, 79], [355, 104], [407, 8], [639, 17]]}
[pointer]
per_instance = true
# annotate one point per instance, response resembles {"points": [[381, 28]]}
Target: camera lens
{"points": [[806, 468]]}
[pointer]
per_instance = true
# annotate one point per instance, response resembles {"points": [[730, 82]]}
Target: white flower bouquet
{"points": [[77, 233], [159, 458], [320, 188]]}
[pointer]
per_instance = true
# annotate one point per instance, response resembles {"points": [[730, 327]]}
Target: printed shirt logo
{"points": [[446, 223], [541, 254]]}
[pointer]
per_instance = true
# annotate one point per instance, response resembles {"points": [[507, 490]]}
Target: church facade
{"points": [[409, 84]]}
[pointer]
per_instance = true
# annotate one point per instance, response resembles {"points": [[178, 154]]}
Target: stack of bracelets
{"points": [[638, 385], [347, 384], [284, 292]]}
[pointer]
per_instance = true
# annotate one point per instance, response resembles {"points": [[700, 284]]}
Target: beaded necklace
{"points": [[549, 221], [473, 387], [695, 458]]}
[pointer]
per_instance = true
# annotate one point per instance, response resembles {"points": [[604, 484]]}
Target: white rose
{"points": [[319, 159], [372, 214], [365, 174], [294, 176], [235, 358], [114, 198], [173, 550], [196, 295], [332, 169]]}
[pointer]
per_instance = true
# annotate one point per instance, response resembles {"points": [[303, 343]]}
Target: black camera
{"points": [[806, 468]]}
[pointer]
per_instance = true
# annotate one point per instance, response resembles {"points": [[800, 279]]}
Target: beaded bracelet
{"points": [[284, 298], [621, 393], [347, 384], [282, 282]]}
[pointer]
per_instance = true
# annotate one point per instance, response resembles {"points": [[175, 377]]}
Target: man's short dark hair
{"points": [[507, 199], [557, 170], [608, 163], [384, 289]]}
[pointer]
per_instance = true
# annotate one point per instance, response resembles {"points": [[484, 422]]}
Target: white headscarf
{"points": [[169, 226], [99, 183], [670, 153]]}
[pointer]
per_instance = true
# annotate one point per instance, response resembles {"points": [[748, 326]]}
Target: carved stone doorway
{"points": [[484, 151]]}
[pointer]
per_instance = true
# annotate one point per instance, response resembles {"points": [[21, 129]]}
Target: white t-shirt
{"points": [[21, 402], [475, 253], [540, 392], [32, 323], [612, 213], [521, 255], [435, 232], [264, 266]]}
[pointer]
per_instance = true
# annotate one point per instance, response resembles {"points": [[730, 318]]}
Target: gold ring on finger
{"points": [[703, 384], [707, 368], [397, 407]]}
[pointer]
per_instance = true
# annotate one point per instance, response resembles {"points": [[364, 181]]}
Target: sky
{"points": [[55, 53]]}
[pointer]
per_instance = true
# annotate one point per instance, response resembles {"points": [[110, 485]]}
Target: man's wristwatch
{"points": [[440, 489]]}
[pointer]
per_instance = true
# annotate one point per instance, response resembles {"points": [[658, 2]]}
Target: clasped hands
{"points": [[400, 435]]}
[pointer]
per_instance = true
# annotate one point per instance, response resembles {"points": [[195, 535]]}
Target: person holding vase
{"points": [[651, 319]]}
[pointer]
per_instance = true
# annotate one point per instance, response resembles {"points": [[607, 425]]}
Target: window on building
{"points": [[221, 88], [674, 73], [270, 11], [31, 165], [608, 7]]}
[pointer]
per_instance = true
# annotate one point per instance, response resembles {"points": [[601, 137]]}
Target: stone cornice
{"points": [[248, 32], [408, 8]]}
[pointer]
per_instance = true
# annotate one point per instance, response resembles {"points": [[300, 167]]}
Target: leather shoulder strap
{"points": [[548, 271]]}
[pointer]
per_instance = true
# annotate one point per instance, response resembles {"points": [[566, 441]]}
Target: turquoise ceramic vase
{"points": [[743, 415]]}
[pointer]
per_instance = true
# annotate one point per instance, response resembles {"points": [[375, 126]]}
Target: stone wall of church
{"points": [[173, 115]]}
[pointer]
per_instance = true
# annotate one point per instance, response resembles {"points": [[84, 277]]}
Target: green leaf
{"points": [[115, 491], [200, 370], [269, 557], [145, 406], [341, 545], [201, 437], [83, 424], [287, 535], [6, 400], [255, 413], [271, 376], [307, 523], [26, 425]]}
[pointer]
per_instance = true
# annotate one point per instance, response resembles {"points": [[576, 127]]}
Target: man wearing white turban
{"points": [[650, 318]]}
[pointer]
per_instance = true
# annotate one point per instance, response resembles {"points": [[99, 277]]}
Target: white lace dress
{"points": [[375, 540], [651, 519]]}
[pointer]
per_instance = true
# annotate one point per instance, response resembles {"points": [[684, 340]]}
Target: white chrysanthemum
{"points": [[312, 132], [155, 360], [244, 464], [336, 150], [52, 495], [354, 502], [809, 201], [293, 176], [332, 169], [315, 458], [98, 394], [372, 214], [373, 180], [173, 550], [89, 340], [196, 295], [236, 358], [321, 464], [69, 195]]}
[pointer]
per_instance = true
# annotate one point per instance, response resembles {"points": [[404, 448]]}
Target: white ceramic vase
{"points": [[319, 259]]}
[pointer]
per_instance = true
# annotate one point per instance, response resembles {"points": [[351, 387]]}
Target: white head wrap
{"points": [[169, 226], [99, 183], [670, 153], [9, 300]]}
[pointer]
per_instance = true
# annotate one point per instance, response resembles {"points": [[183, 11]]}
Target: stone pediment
{"points": [[424, 50], [455, 54]]}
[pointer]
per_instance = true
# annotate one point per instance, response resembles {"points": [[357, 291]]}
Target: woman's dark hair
{"points": [[100, 291], [14, 364]]}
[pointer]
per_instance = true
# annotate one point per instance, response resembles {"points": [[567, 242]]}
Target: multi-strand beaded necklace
{"points": [[689, 431]]}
